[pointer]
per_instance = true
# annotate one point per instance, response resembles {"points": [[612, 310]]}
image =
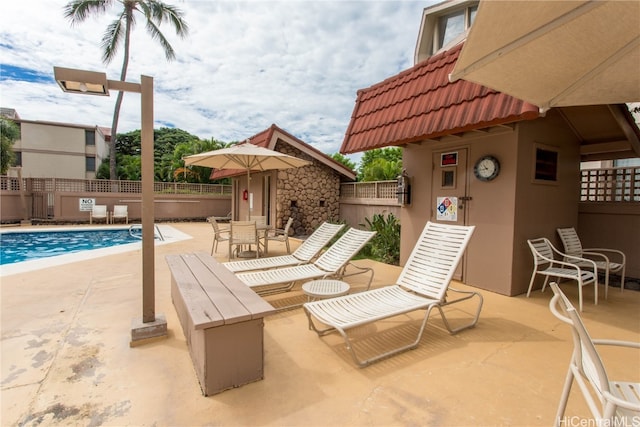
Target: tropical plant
{"points": [[380, 164], [9, 133], [119, 33], [385, 245], [338, 157]]}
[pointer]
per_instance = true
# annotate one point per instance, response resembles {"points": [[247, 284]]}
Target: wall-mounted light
{"points": [[403, 191]]}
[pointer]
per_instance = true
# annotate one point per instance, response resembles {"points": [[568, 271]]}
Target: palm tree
{"points": [[155, 13]]}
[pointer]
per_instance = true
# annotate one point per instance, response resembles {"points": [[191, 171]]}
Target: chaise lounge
{"points": [[423, 285]]}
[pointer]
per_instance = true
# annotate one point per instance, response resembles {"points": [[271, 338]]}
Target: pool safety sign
{"points": [[447, 208], [86, 204]]}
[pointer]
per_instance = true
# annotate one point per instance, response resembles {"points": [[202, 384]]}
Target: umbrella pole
{"points": [[249, 194]]}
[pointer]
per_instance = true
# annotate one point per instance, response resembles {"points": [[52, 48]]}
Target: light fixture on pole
{"points": [[95, 83]]}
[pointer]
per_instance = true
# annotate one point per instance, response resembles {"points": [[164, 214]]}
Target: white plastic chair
{"points": [[423, 285], [304, 254], [602, 256], [617, 403], [99, 212], [120, 212], [544, 263]]}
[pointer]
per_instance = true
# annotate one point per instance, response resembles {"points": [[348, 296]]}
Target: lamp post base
{"points": [[142, 333]]}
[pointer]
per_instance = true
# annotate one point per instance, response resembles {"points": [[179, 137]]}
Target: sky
{"points": [[244, 66]]}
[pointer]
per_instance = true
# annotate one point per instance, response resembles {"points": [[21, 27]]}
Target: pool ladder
{"points": [[134, 227]]}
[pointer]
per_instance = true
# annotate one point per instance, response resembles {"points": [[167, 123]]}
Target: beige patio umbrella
{"points": [[555, 53], [247, 157]]}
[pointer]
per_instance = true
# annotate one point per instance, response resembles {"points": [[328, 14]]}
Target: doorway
{"points": [[449, 192]]}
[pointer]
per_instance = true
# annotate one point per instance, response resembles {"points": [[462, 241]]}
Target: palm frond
{"points": [[111, 40], [79, 10], [156, 34], [165, 12]]}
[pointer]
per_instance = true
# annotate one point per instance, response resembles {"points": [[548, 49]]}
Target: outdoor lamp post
{"points": [[95, 83]]}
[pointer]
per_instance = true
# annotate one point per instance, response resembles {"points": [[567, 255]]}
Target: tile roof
{"points": [[420, 103], [266, 139]]}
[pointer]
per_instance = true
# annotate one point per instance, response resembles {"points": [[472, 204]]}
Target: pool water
{"points": [[24, 246]]}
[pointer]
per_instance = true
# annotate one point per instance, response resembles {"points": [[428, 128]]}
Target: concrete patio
{"points": [[67, 360]]}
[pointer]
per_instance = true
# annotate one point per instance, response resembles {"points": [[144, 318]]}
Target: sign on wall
{"points": [[86, 204], [447, 208], [449, 159]]}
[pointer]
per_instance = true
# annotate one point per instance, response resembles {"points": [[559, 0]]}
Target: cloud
{"points": [[244, 66]]}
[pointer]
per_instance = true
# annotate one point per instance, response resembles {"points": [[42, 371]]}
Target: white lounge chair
{"points": [[332, 263], [567, 267], [602, 256], [120, 212], [305, 253], [617, 403], [99, 212], [422, 285]]}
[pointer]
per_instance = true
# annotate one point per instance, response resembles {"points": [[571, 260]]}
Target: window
{"points": [[452, 26], [90, 137], [449, 27], [546, 164], [90, 164], [448, 178], [18, 158]]}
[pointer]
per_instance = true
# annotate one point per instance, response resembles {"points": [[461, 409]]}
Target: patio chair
{"points": [[422, 285], [219, 235], [544, 263], [601, 256], [617, 403], [99, 212], [332, 263], [241, 234], [120, 212], [279, 235], [306, 252], [263, 228], [260, 219]]}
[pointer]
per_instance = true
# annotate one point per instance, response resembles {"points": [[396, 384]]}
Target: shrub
{"points": [[385, 245]]}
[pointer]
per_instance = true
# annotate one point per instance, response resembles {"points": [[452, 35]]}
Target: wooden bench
{"points": [[222, 320]]}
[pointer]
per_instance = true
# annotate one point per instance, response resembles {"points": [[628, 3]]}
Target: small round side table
{"points": [[325, 288]]}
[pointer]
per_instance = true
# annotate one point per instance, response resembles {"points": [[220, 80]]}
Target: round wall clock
{"points": [[486, 168]]}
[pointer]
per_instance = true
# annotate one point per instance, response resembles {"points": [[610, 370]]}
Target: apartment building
{"points": [[58, 150]]}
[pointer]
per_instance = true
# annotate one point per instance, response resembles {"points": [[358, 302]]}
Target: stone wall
{"points": [[310, 195]]}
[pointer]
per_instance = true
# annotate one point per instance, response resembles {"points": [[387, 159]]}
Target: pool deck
{"points": [[67, 360]]}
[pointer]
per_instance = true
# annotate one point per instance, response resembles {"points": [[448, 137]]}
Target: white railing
{"points": [[41, 185], [369, 190], [610, 185]]}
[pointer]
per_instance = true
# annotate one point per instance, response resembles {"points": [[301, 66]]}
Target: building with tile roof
{"points": [[450, 132], [310, 194]]}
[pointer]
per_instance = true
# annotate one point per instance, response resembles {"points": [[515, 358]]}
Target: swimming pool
{"points": [[25, 246], [23, 250]]}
